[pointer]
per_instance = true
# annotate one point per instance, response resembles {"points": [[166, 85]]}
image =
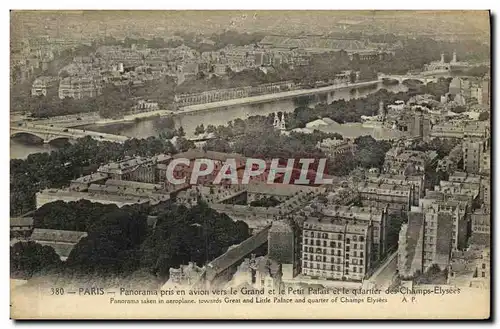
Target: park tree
{"points": [[370, 153], [28, 258], [218, 145], [183, 144], [180, 132], [199, 129], [211, 129], [394, 222], [182, 234], [112, 243]]}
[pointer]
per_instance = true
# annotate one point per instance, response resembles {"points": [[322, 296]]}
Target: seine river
{"points": [[189, 121]]}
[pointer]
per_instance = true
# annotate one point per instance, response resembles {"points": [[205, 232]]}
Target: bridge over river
{"points": [[60, 127], [49, 134]]}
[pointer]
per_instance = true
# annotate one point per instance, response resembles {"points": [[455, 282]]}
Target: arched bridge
{"points": [[420, 77], [48, 134]]}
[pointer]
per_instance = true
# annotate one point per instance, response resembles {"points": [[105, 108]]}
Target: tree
{"points": [[394, 222], [63, 74], [72, 216], [433, 275], [184, 144], [439, 88], [111, 244], [352, 77], [200, 75], [342, 165], [211, 129], [484, 116], [55, 170], [443, 146], [196, 234], [28, 258], [113, 103], [370, 153], [180, 132], [366, 73], [218, 145], [199, 129], [167, 134], [478, 71], [459, 109]]}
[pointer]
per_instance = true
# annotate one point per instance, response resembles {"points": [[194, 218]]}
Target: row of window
{"points": [[331, 236], [332, 244], [337, 268], [332, 252], [324, 259], [316, 272]]}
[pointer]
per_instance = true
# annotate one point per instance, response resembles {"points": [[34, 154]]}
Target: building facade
{"points": [[336, 147], [396, 199], [473, 155], [132, 169], [336, 249], [425, 240], [43, 86], [78, 88], [481, 221]]}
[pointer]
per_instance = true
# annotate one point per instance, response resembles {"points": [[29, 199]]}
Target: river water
{"points": [[189, 121]]}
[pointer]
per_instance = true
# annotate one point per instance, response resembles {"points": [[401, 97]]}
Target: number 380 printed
{"points": [[57, 291]]}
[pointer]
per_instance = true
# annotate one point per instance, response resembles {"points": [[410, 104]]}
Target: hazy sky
{"points": [[317, 22]]}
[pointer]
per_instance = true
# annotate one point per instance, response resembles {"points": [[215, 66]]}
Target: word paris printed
{"points": [[250, 164]]}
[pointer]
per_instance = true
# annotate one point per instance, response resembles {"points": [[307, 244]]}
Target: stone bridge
{"points": [[49, 134], [420, 77]]}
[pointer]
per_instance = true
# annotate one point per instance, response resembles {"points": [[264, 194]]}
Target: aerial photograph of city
{"points": [[250, 164]]}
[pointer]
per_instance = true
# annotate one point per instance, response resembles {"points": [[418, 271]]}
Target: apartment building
{"points": [[396, 198], [423, 241], [376, 216], [336, 249], [336, 147], [79, 87], [456, 209], [485, 164], [476, 130], [473, 155], [481, 221], [132, 169], [400, 162], [471, 268], [414, 181], [44, 85]]}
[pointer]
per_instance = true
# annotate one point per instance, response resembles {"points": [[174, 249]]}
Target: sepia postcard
{"points": [[250, 164]]}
